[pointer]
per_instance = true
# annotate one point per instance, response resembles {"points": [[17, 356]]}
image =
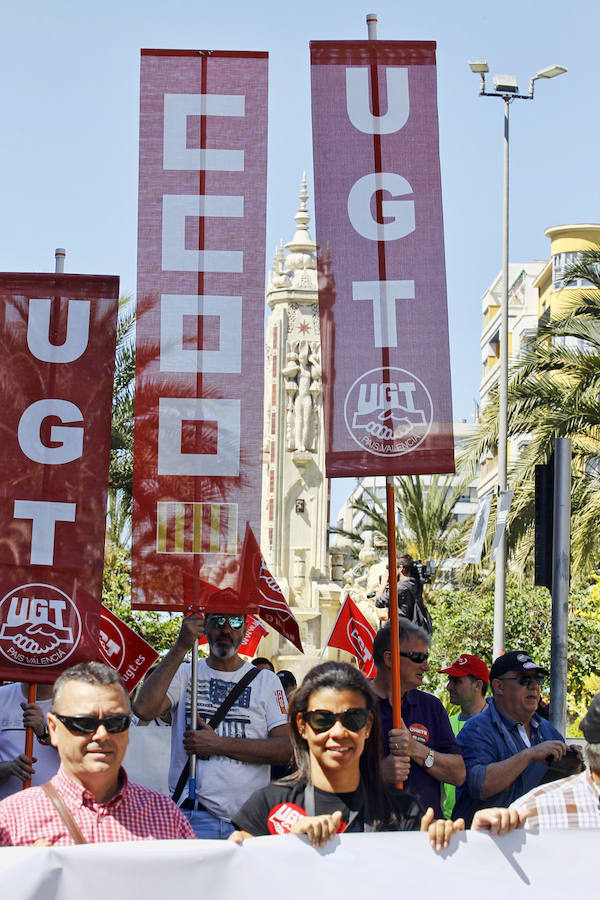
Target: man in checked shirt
{"points": [[572, 802], [90, 799]]}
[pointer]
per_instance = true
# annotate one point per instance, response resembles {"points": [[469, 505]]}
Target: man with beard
{"points": [[235, 757]]}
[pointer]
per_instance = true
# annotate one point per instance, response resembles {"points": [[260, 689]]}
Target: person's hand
{"points": [[497, 820], [383, 613], [33, 717], [318, 829], [539, 752], [400, 740], [42, 842], [22, 767], [192, 628], [203, 742], [395, 769], [441, 830], [236, 837]]}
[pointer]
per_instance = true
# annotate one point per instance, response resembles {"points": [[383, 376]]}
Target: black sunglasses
{"points": [[415, 656], [526, 680], [235, 622], [321, 720], [90, 724]]}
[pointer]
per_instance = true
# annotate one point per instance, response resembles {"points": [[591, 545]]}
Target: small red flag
{"points": [[123, 649], [352, 632], [255, 631]]}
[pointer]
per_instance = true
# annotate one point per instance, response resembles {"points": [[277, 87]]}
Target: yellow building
{"points": [[567, 243]]}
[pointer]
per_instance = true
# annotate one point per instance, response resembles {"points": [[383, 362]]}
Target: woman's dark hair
{"points": [[339, 676]]}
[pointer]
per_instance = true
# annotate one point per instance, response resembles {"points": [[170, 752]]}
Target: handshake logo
{"points": [[40, 625]]}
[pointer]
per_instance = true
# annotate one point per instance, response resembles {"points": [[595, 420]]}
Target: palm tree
{"points": [[121, 445], [553, 392]]}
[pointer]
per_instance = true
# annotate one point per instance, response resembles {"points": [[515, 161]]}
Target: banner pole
{"points": [[31, 698], [372, 26], [393, 606], [193, 719], [326, 644]]}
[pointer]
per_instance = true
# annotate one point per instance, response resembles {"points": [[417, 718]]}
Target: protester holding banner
{"points": [[90, 799], [235, 754], [424, 753], [16, 714]]}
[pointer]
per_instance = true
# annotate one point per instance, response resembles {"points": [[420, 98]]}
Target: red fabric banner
{"points": [[123, 649], [57, 338], [352, 632], [382, 283], [200, 345]]}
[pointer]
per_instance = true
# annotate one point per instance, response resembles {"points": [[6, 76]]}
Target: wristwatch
{"points": [[429, 759]]}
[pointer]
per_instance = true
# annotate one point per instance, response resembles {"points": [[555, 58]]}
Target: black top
{"points": [[273, 809]]}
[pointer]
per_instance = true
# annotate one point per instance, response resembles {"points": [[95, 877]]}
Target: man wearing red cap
{"points": [[468, 680]]}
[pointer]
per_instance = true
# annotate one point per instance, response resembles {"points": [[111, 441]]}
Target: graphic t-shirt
{"points": [[12, 740], [275, 808], [223, 784]]}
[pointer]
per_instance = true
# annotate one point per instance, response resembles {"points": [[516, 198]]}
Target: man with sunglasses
{"points": [[234, 757], [90, 799], [508, 746], [424, 753]]}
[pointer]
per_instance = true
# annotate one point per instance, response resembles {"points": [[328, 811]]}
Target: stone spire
{"points": [[302, 247]]}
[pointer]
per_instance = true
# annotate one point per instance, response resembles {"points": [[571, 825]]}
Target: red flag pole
{"points": [[31, 698], [393, 605]]}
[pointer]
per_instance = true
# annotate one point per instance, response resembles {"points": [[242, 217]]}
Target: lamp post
{"points": [[505, 87]]}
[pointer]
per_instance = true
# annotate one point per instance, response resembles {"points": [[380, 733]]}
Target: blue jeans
{"points": [[207, 826]]}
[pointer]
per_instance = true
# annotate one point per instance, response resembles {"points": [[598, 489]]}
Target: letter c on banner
{"points": [[358, 100], [402, 212], [71, 439]]}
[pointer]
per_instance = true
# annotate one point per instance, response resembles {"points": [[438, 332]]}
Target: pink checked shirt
{"points": [[135, 813]]}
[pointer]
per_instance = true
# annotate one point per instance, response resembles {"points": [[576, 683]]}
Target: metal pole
{"points": [[500, 579], [193, 719], [372, 26], [59, 260], [561, 570]]}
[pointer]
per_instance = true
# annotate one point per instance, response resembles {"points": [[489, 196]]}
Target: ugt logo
{"points": [[388, 411], [39, 625]]}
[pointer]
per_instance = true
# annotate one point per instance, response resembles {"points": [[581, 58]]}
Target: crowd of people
{"points": [[495, 765]]}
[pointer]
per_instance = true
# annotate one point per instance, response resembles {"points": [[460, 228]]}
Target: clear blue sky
{"points": [[69, 88]]}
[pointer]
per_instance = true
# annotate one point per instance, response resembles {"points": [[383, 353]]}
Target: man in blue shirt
{"points": [[423, 753], [507, 747]]}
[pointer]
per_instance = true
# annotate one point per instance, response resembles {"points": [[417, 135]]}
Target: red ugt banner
{"points": [[352, 632], [199, 375], [123, 649], [57, 340], [382, 283]]}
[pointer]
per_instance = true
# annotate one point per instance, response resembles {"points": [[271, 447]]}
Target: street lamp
{"points": [[505, 87]]}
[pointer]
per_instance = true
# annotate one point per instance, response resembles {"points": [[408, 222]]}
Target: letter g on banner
{"points": [[71, 439], [402, 212]]}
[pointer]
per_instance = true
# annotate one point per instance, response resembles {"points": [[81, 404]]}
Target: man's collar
{"points": [[77, 795], [509, 722]]}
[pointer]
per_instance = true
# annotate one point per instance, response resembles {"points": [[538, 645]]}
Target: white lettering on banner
{"points": [[35, 610], [176, 153], [69, 438], [402, 212], [224, 414], [174, 357], [383, 295], [38, 326], [176, 209], [358, 100], [44, 515]]}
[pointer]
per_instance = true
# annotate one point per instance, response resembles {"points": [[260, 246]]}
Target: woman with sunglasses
{"points": [[334, 720]]}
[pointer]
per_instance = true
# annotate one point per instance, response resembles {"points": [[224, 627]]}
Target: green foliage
{"points": [[159, 629], [463, 623]]}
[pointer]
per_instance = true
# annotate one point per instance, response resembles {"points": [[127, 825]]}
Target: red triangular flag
{"points": [[352, 632], [123, 649]]}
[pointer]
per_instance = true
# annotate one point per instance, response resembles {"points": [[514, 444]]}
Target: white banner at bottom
{"points": [[551, 864]]}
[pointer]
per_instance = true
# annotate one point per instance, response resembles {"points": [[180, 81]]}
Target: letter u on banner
{"points": [[382, 281], [200, 346]]}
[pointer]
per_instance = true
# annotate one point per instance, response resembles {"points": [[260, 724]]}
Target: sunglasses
{"points": [[321, 720], [415, 656], [235, 622], [527, 680], [90, 724]]}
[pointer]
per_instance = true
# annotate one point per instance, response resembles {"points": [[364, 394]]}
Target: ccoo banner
{"points": [[57, 334], [199, 332], [382, 282]]}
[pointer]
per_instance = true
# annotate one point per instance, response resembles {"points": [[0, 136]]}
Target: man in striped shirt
{"points": [[90, 799], [572, 802]]}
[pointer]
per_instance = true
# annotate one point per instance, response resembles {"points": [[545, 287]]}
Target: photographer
{"points": [[410, 595]]}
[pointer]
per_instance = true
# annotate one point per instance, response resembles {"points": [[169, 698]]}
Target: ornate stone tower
{"points": [[294, 490]]}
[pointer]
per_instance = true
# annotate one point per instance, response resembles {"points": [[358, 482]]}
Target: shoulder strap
{"points": [[215, 720], [64, 813]]}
